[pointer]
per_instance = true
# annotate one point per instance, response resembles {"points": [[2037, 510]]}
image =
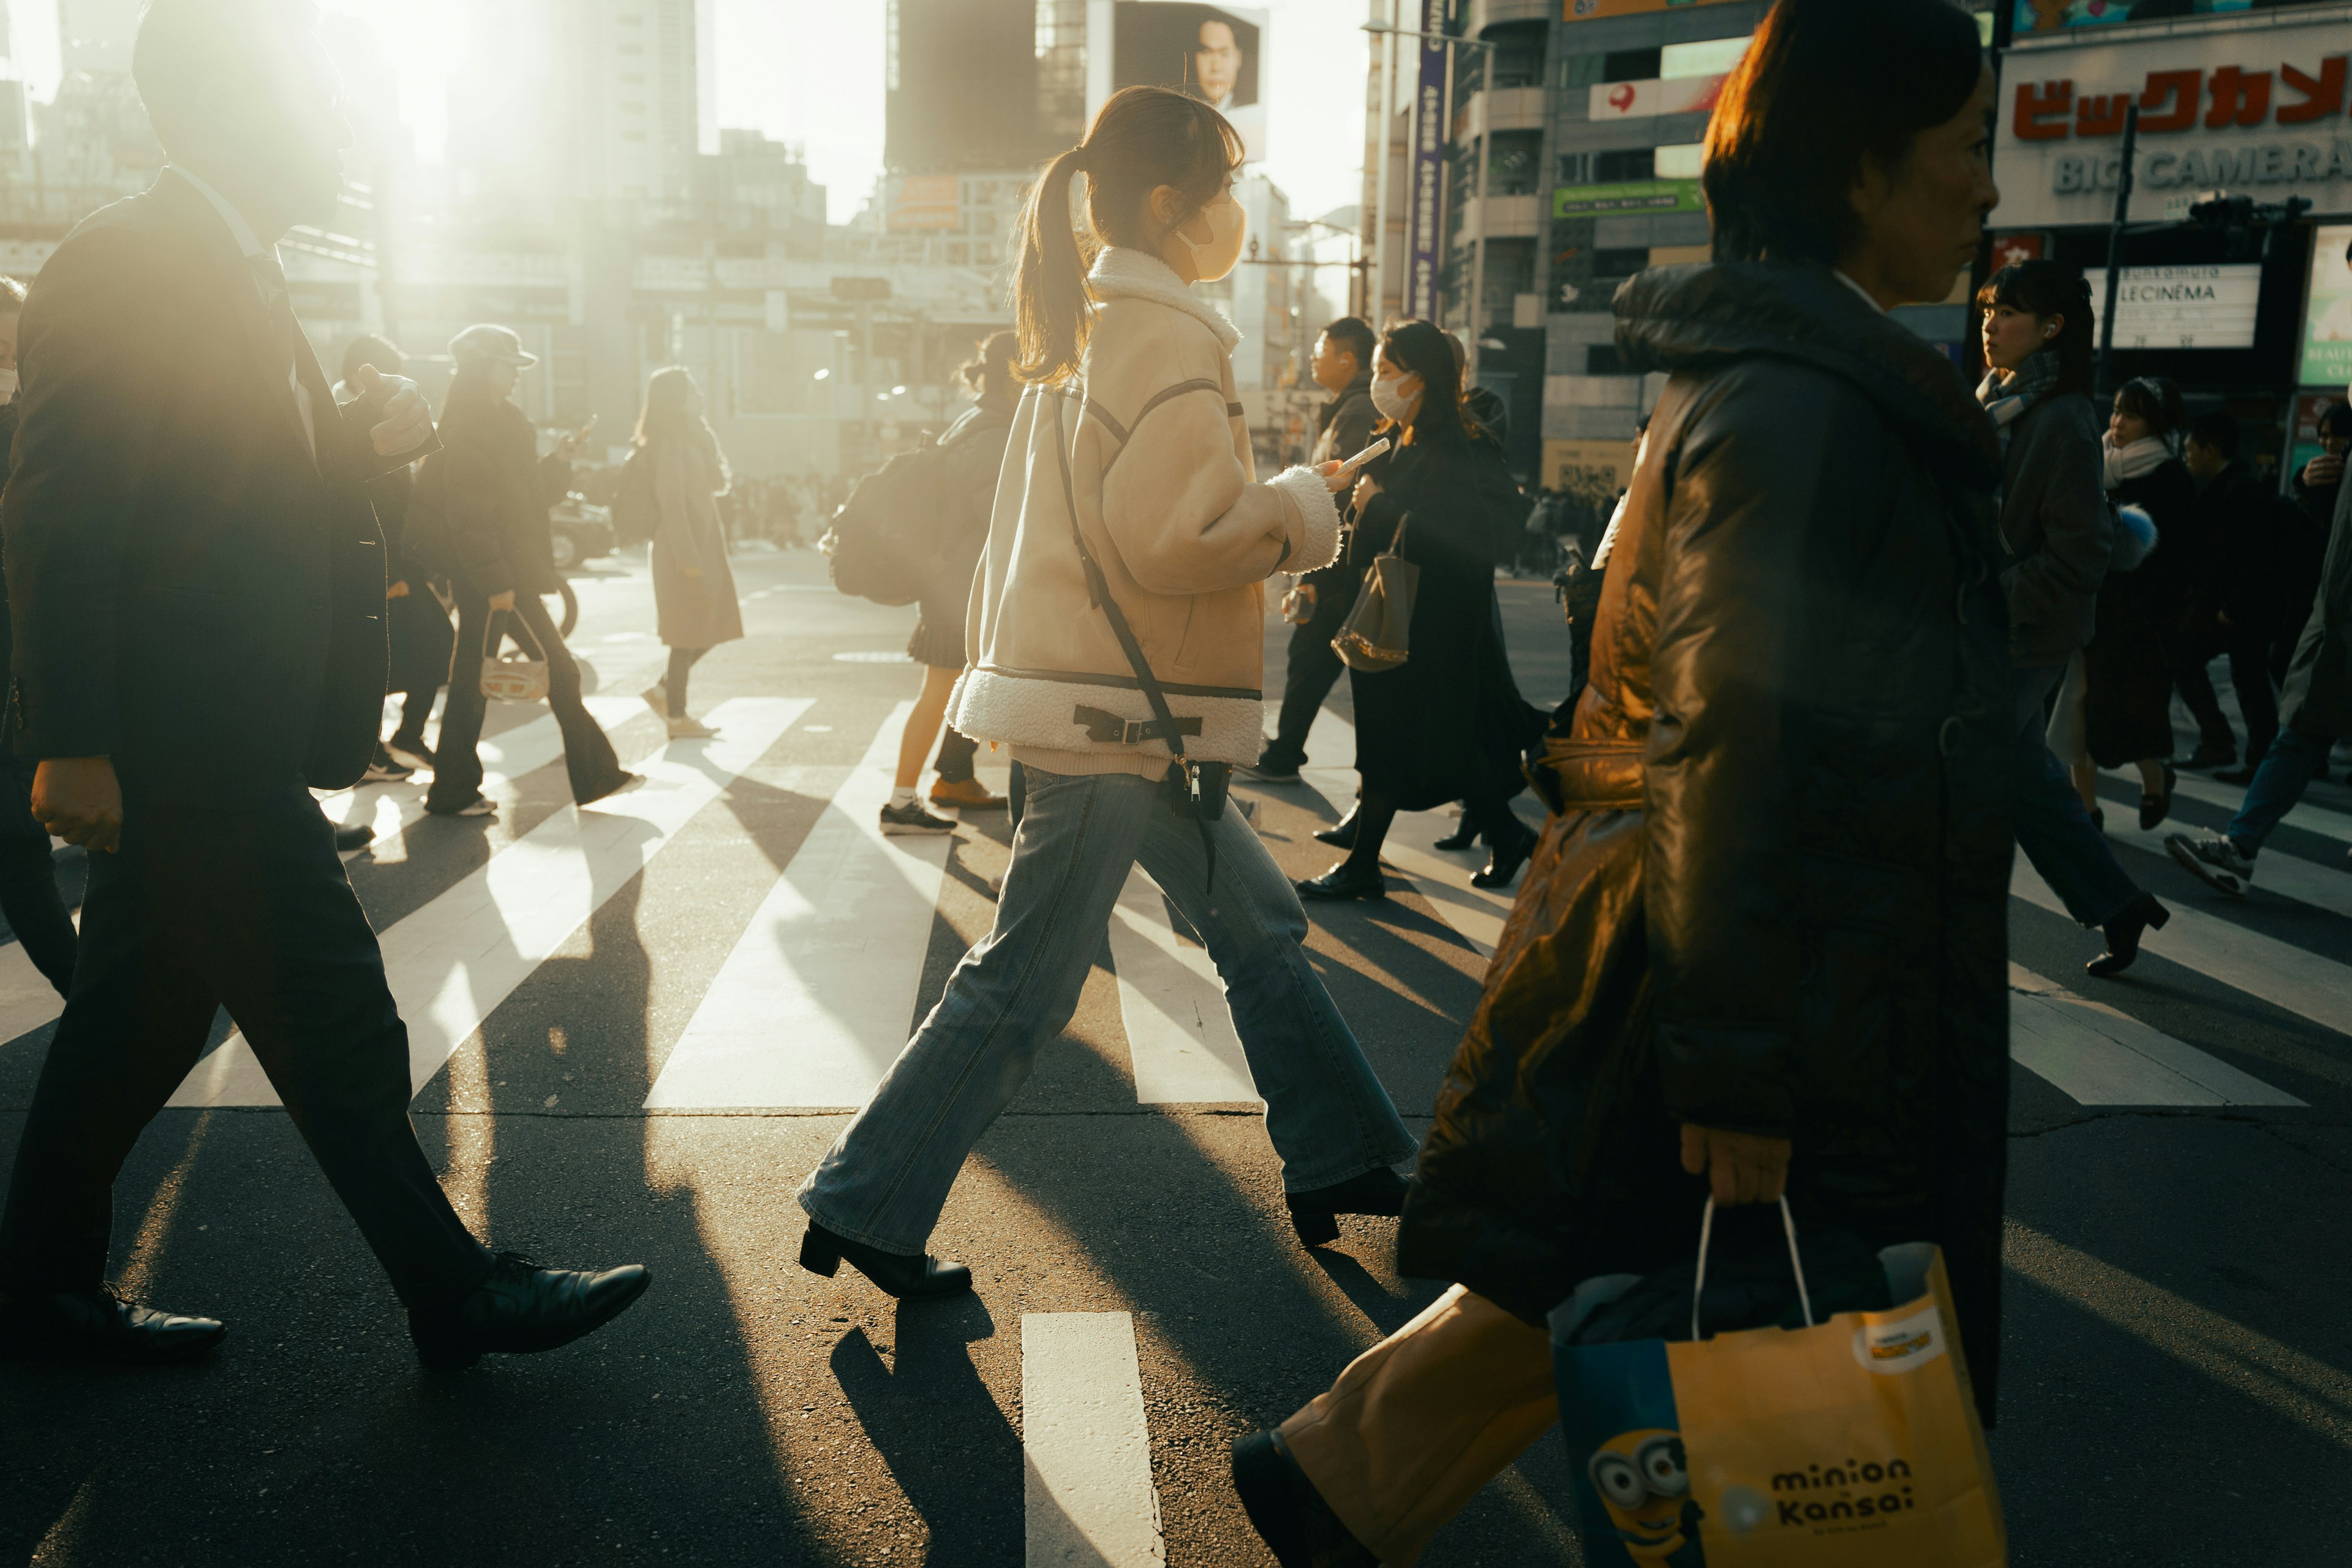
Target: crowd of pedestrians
{"points": [[1853, 637]]}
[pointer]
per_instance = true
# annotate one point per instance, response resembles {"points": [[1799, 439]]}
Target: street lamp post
{"points": [[1485, 156]]}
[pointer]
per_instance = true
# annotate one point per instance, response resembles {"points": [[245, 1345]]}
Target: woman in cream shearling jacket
{"points": [[1133, 389]]}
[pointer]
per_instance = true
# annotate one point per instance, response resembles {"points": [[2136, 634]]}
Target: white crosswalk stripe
{"points": [[2276, 972], [816, 1000], [2275, 872], [1180, 1031], [452, 962], [2098, 1056], [2316, 819], [1085, 1444]]}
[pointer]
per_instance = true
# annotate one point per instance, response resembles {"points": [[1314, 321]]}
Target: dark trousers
{"points": [[244, 906], [588, 756], [957, 750], [35, 909], [2055, 830], [2249, 654], [1309, 673]]}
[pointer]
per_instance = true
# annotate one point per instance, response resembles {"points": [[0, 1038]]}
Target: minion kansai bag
{"points": [[1850, 1443]]}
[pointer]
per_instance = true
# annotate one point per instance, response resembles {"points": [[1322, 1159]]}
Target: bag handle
{"points": [[1706, 1232]]}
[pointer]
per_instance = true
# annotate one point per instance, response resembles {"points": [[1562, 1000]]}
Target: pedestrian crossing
{"points": [[1085, 1441], [819, 991]]}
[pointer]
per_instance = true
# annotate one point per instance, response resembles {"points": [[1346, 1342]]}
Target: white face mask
{"points": [[1390, 400], [7, 385], [1222, 251]]}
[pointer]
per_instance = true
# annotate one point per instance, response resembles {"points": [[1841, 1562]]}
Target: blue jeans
{"points": [[2287, 770], [886, 1179], [2053, 829]]}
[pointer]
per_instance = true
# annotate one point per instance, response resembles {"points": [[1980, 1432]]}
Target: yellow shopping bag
{"points": [[1849, 1444]]}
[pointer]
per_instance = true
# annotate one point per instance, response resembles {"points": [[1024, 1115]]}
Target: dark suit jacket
{"points": [[194, 593]]}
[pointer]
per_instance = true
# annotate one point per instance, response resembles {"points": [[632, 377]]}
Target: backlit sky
{"points": [[811, 71]]}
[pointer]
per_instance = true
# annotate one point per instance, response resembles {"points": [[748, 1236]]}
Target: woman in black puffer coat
{"points": [[1763, 945], [1449, 724]]}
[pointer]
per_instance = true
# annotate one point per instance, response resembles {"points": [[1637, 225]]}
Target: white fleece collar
{"points": [[1121, 273]]}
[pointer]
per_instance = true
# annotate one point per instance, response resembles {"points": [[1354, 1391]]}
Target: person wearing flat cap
{"points": [[480, 505]]}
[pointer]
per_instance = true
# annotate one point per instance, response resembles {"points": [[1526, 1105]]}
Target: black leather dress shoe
{"points": [[1344, 881], [358, 835], [2123, 933], [522, 1309], [1314, 1214], [1340, 835], [98, 1325], [1502, 865], [1288, 1514], [896, 1272], [1461, 837]]}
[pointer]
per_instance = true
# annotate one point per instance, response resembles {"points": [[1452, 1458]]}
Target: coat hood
{"points": [[1691, 317]]}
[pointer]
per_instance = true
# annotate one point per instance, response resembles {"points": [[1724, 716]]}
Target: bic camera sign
{"points": [[2257, 112]]}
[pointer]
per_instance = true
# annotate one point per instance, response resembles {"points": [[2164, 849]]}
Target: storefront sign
{"points": [[1428, 193], [2259, 112], [2327, 311], [2009, 249], [2198, 307], [1635, 196], [1591, 10], [1645, 100]]}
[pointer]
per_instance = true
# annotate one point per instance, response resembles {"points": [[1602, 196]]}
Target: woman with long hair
{"points": [[2055, 542], [972, 450], [2117, 707], [694, 587], [1762, 948], [1447, 724], [1116, 632], [487, 491]]}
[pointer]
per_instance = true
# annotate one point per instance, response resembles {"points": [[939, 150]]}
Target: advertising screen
{"points": [[1216, 53], [2327, 310], [2049, 15], [1592, 10]]}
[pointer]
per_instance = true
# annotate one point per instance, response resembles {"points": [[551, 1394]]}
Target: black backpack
{"points": [[882, 544]]}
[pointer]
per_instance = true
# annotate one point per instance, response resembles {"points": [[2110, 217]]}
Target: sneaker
{"points": [[911, 818], [410, 754], [656, 697], [1264, 771], [383, 769], [480, 806], [2213, 860], [970, 794], [690, 728]]}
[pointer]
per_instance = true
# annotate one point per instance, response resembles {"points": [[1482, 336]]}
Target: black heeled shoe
{"points": [[1340, 835], [2155, 808], [1315, 1214], [1502, 865], [1461, 837], [1344, 881], [1288, 1514], [894, 1272], [2143, 914]]}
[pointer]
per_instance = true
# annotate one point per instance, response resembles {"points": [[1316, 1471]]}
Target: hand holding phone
{"points": [[1339, 476]]}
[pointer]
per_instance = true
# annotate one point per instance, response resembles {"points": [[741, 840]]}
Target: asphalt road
{"points": [[2177, 1386]]}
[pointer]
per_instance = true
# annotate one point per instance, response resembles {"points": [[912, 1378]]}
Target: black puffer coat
{"points": [[499, 491], [2144, 617], [1774, 899]]}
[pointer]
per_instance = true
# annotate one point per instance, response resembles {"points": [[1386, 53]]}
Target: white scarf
{"points": [[2119, 464]]}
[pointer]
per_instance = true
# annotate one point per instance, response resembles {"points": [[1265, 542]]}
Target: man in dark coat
{"points": [[1343, 367], [2250, 555], [197, 583], [2314, 712]]}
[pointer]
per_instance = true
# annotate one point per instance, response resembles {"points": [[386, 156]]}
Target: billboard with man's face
{"points": [[1215, 53]]}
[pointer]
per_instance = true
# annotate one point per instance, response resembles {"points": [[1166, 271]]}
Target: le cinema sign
{"points": [[2205, 122]]}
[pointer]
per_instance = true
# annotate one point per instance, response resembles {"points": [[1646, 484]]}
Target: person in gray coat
{"points": [[2314, 712], [694, 587], [2055, 536]]}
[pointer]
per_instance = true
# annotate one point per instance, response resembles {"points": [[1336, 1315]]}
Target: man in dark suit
{"points": [[197, 581]]}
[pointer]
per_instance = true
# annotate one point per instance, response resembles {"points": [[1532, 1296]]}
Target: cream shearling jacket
{"points": [[1166, 498]]}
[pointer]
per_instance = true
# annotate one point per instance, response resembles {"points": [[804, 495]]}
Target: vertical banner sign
{"points": [[1428, 166]]}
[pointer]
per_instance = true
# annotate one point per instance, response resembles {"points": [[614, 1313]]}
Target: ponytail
{"points": [[1143, 138]]}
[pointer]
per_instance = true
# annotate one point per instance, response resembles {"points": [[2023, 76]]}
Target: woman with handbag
{"points": [[1446, 722], [483, 500], [1763, 945], [694, 587], [1116, 630]]}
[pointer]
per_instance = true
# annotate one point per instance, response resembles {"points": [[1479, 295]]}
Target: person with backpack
{"points": [[1117, 635], [478, 514], [694, 588], [965, 460]]}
